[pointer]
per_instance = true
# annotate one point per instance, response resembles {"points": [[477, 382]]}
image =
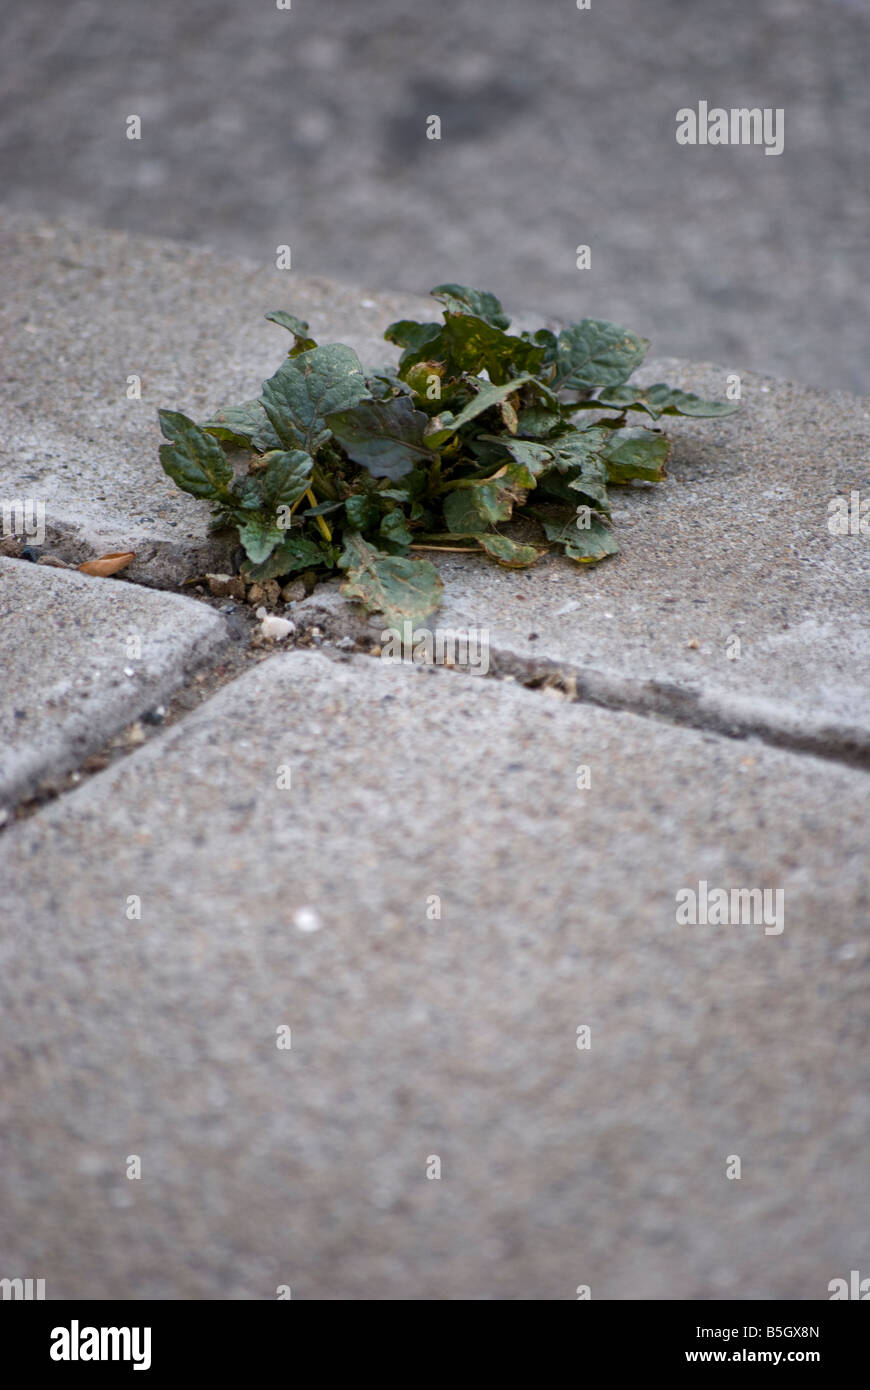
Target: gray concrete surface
{"points": [[412, 1037], [307, 127], [733, 544], [80, 312], [69, 679]]}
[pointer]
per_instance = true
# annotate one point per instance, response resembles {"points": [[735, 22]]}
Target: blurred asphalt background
{"points": [[307, 126]]}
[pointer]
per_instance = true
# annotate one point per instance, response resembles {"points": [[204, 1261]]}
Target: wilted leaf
{"points": [[475, 507], [487, 396], [509, 553], [635, 453], [584, 543], [393, 585]]}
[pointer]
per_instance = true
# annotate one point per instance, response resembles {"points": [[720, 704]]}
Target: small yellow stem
{"points": [[460, 549], [324, 528]]}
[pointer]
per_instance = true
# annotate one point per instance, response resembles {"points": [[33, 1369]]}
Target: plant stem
{"points": [[459, 549], [321, 521]]}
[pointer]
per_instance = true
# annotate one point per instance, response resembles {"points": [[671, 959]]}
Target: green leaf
{"points": [[383, 382], [462, 515], [294, 553], [475, 507], [298, 327], [393, 585], [534, 459], [307, 388], [542, 338], [536, 422], [573, 448], [386, 437], [662, 399], [246, 424], [509, 553], [579, 452], [246, 495], [584, 543], [459, 299], [635, 453], [468, 346], [487, 396], [596, 353], [362, 511], [394, 528], [286, 477], [322, 509], [193, 459], [259, 533], [411, 336]]}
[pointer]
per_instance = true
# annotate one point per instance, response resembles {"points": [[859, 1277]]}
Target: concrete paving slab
{"points": [[82, 658], [734, 544], [81, 313], [165, 922]]}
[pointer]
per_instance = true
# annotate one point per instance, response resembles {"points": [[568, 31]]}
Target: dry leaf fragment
{"points": [[108, 564]]}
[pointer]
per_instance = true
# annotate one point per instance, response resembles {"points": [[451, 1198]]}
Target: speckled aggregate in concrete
{"points": [[733, 544], [81, 312], [71, 674], [415, 1037]]}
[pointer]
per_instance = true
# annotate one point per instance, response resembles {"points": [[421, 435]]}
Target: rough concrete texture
{"points": [[308, 126], [734, 543], [69, 679], [81, 312], [414, 1037]]}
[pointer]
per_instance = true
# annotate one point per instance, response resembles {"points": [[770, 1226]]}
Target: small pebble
{"points": [[276, 629], [306, 919]]}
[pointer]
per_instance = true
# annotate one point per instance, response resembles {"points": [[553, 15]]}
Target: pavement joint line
{"points": [[575, 686], [678, 705], [662, 701]]}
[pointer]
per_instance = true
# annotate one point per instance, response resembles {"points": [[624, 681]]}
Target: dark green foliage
{"points": [[475, 428]]}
